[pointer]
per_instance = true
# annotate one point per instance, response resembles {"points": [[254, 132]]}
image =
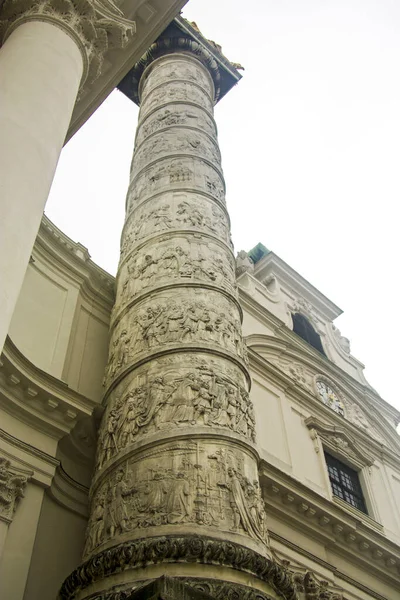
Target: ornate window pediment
{"points": [[339, 442]]}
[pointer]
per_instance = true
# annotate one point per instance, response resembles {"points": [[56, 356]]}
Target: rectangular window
{"points": [[345, 483]]}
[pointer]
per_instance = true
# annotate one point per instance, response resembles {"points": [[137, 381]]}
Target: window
{"points": [[345, 483], [305, 330]]}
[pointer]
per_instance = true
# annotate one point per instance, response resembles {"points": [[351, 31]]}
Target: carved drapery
{"points": [[12, 486], [95, 25], [176, 443]]}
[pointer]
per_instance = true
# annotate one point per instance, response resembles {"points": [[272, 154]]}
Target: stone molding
{"points": [[13, 482], [279, 575], [184, 36], [357, 537], [171, 549], [283, 361], [95, 25], [339, 441], [36, 397]]}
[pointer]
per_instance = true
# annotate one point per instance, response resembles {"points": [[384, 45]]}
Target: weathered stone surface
{"points": [[168, 588], [176, 443]]}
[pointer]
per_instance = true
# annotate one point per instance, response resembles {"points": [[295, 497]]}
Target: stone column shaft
{"points": [[176, 450], [40, 71], [50, 48]]}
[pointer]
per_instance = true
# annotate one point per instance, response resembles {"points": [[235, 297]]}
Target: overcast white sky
{"points": [[310, 142]]}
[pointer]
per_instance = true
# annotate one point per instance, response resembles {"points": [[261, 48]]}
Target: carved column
{"points": [[50, 48], [176, 477]]}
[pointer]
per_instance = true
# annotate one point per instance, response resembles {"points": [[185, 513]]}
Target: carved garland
{"points": [[140, 553], [287, 584], [95, 26]]}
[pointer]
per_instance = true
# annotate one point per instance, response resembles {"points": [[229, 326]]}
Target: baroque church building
{"points": [[197, 427]]}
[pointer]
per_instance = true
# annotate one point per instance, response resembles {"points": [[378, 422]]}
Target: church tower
{"points": [[175, 490]]}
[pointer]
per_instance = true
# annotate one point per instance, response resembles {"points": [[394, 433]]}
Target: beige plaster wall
{"points": [[284, 441], [57, 550], [58, 325], [42, 320]]}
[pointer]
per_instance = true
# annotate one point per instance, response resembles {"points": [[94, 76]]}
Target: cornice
{"points": [[354, 536], [305, 395], [294, 280], [331, 434], [69, 493], [36, 397], [183, 36], [54, 247], [285, 339], [283, 557]]}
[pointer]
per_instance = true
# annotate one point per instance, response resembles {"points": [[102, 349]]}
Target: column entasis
{"points": [[176, 489], [49, 50]]}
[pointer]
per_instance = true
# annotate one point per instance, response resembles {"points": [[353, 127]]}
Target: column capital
{"points": [[184, 36], [95, 25], [12, 485]]}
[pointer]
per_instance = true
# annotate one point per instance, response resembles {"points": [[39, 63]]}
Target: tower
{"points": [[175, 489]]}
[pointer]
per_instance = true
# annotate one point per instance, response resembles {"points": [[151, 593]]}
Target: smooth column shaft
{"points": [[40, 71]]}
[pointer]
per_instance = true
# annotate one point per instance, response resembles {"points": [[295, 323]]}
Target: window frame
{"points": [[347, 482]]}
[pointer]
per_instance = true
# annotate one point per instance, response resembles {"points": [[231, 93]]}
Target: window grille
{"points": [[345, 483]]}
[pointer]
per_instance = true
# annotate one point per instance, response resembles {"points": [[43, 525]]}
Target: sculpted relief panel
{"points": [[174, 392], [177, 70], [176, 173], [198, 318], [175, 114], [175, 211], [202, 483], [175, 91], [175, 142], [178, 260]]}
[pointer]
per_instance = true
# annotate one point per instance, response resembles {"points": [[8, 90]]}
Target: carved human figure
{"points": [[178, 499], [96, 528], [240, 508], [109, 446], [118, 493]]}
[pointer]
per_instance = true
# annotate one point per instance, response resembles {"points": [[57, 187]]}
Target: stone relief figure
{"points": [[169, 142], [179, 173], [200, 216], [183, 482], [198, 397], [244, 507], [12, 487], [158, 324], [214, 187], [244, 264], [170, 92], [165, 262], [175, 115]]}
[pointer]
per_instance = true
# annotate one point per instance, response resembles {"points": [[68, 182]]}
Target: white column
{"points": [[40, 71]]}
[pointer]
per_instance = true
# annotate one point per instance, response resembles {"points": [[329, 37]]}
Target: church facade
{"points": [[199, 417]]}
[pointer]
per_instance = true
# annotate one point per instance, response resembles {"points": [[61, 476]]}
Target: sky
{"points": [[310, 143]]}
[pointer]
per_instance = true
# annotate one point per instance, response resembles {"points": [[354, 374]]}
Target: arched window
{"points": [[305, 330]]}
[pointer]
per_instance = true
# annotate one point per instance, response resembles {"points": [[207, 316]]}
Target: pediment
{"points": [[305, 370], [339, 441]]}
